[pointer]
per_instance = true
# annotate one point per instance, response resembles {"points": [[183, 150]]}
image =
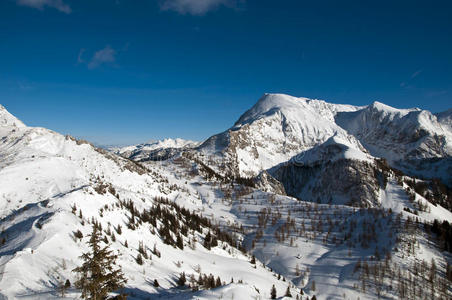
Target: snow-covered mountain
{"points": [[356, 229], [155, 150], [277, 128], [398, 134]]}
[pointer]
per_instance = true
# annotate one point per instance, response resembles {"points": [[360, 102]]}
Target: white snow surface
{"points": [[7, 119]]}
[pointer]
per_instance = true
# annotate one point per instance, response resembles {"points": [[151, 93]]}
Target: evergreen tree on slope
{"points": [[98, 273]]}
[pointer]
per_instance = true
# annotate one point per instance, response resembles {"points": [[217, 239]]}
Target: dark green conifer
{"points": [[98, 275]]}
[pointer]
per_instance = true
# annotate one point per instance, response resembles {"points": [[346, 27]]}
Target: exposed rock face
{"points": [[345, 181], [267, 183], [428, 168]]}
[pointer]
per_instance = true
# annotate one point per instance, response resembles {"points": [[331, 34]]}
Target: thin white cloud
{"points": [[41, 4], [104, 56], [408, 84], [80, 59], [416, 74], [194, 7]]}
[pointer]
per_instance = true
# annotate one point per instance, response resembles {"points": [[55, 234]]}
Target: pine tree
{"points": [[288, 294], [273, 292], [98, 275], [253, 260], [181, 281], [449, 271], [119, 229], [78, 234], [210, 282], [139, 259], [207, 239], [180, 242], [218, 282], [63, 287], [156, 283], [297, 270]]}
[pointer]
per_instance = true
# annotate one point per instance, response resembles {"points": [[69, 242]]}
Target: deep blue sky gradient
{"points": [[192, 76]]}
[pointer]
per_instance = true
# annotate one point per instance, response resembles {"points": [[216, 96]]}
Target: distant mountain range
{"points": [[154, 150]]}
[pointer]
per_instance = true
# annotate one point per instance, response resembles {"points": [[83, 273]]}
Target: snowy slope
{"points": [[52, 186], [7, 119], [38, 164], [324, 242]]}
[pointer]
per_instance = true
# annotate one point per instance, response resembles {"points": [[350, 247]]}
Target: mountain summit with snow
{"points": [[279, 127], [272, 131], [8, 120]]}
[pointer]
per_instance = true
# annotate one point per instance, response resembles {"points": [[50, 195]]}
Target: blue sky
{"points": [[119, 72]]}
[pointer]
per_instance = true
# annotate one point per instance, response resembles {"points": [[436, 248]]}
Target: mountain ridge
{"points": [[298, 124]]}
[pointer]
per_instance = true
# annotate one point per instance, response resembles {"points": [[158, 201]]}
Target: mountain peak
{"points": [[293, 107], [269, 104], [381, 107], [7, 119]]}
